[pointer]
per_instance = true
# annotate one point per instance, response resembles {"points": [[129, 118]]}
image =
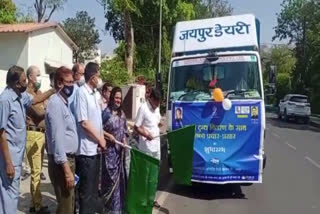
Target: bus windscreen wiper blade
{"points": [[236, 92]]}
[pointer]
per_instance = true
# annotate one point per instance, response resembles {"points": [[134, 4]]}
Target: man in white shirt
{"points": [[88, 114], [147, 125]]}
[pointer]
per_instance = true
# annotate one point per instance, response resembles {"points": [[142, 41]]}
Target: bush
{"points": [[115, 71]]}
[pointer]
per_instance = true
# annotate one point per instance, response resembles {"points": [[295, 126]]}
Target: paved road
{"points": [[291, 182]]}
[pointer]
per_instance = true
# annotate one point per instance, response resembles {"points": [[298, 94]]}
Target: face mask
{"points": [[67, 90], [38, 84], [82, 81], [22, 89]]}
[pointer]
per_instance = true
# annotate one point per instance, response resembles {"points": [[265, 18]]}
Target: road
{"points": [[291, 180]]}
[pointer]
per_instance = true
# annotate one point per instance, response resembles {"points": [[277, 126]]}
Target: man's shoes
{"points": [[42, 210], [25, 176], [42, 176]]}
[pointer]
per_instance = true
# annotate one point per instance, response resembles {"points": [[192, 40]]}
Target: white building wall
{"points": [[13, 51], [48, 46]]}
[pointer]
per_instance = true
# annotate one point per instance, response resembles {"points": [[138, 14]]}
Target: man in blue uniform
{"points": [[14, 102]]}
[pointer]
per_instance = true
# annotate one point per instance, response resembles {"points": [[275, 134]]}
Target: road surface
{"points": [[291, 181]]}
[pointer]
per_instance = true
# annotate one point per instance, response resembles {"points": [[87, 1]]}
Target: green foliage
{"points": [[7, 12], [283, 85], [82, 30], [114, 71], [283, 58], [145, 20], [298, 21], [213, 8], [26, 15]]}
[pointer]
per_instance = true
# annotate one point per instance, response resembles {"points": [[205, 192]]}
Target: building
{"points": [[95, 57], [45, 45]]}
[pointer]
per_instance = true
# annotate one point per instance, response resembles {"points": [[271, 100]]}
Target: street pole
{"points": [[158, 76]]}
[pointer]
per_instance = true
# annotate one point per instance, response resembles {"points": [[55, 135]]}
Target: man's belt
{"points": [[35, 129]]}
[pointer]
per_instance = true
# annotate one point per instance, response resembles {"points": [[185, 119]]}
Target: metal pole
{"points": [[158, 74], [160, 37]]}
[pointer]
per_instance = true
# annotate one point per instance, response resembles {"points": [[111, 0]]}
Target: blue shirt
{"points": [[72, 99], [13, 121], [88, 108], [61, 129]]}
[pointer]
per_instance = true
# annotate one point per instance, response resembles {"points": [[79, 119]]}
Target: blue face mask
{"points": [[67, 90]]}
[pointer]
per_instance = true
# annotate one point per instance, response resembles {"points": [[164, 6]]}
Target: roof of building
{"points": [[30, 27]]}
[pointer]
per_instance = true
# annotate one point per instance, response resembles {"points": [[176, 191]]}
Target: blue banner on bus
{"points": [[227, 147]]}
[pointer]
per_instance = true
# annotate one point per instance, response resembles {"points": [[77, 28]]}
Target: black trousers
{"points": [[88, 172]]}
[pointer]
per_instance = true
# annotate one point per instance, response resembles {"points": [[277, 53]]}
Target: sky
{"points": [[264, 10]]}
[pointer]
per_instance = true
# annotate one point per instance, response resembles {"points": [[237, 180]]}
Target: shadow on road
{"points": [[24, 202], [164, 210], [197, 190], [291, 125], [209, 191]]}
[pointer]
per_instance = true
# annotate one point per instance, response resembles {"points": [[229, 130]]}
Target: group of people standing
{"points": [[80, 126]]}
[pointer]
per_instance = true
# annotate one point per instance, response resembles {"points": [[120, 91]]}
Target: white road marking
{"points": [[276, 135], [292, 147], [312, 162]]}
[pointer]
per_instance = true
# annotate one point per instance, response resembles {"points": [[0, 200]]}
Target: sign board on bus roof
{"points": [[216, 33]]}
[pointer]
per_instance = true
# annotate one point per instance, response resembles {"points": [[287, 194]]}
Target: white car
{"points": [[295, 106]]}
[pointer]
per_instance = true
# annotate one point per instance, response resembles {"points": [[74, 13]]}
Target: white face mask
{"points": [[82, 81]]}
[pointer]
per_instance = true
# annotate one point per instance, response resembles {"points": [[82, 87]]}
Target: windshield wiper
{"points": [[237, 92]]}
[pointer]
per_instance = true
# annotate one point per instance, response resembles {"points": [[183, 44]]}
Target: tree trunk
{"points": [[129, 41], [40, 9]]}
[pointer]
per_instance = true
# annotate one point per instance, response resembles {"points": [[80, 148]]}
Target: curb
{"points": [[314, 124]]}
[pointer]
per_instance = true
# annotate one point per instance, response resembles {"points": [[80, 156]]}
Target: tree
{"points": [[7, 12], [214, 8], [120, 14], [145, 25], [283, 85], [44, 7], [82, 30], [295, 21], [298, 21], [282, 56], [25, 16], [114, 70]]}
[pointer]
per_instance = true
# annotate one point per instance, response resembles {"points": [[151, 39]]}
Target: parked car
{"points": [[295, 106]]}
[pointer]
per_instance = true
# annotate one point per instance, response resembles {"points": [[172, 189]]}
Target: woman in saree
{"points": [[114, 179]]}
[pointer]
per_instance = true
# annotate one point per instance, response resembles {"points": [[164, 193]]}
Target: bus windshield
{"points": [[237, 76]]}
